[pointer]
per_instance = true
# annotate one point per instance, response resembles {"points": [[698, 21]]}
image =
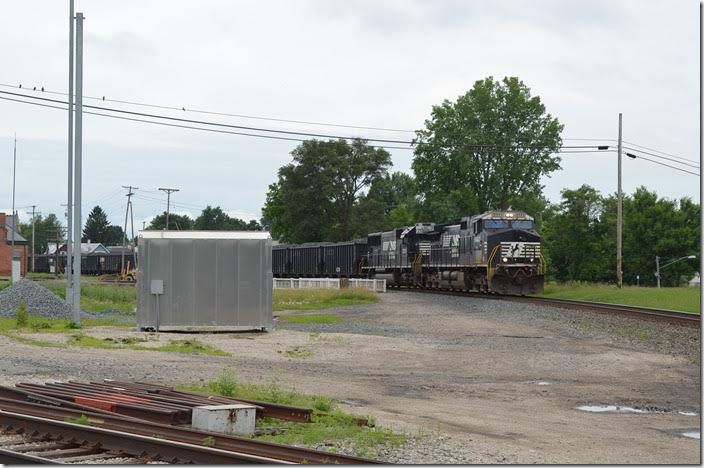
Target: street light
{"points": [[658, 267]]}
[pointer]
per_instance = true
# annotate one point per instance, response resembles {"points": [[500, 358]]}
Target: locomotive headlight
{"points": [[504, 259], [532, 260]]}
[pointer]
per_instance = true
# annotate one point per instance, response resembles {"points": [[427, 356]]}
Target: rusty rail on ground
{"points": [[181, 434]]}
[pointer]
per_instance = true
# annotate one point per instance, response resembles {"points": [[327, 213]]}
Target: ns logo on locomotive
{"points": [[496, 251]]}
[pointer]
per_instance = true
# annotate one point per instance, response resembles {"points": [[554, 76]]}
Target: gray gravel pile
{"points": [[40, 301]]}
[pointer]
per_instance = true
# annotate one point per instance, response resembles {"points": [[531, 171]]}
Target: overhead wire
{"points": [[190, 127], [658, 151], [225, 114], [662, 157]]}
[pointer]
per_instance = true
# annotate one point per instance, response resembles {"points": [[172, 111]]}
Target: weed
{"points": [[39, 325], [73, 326], [21, 315], [82, 420], [209, 441], [298, 353], [227, 382]]}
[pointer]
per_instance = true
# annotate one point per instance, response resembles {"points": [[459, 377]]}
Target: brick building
{"points": [[7, 231]]}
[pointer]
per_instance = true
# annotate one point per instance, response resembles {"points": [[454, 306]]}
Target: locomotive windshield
{"points": [[495, 224], [522, 224]]}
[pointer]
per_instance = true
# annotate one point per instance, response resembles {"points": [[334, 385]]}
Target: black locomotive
{"points": [[496, 251]]}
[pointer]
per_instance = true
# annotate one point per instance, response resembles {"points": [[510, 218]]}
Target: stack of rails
{"points": [[21, 410], [150, 402]]}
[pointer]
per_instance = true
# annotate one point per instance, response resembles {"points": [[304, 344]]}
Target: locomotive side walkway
{"points": [[479, 381]]}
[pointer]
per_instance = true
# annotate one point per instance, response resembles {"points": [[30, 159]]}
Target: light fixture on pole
{"points": [[659, 267]]}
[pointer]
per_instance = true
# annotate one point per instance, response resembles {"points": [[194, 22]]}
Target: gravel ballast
{"points": [[40, 301]]}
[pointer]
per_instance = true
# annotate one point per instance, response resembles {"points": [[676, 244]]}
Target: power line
{"points": [[244, 116], [190, 127], [216, 124], [663, 164], [662, 157], [658, 151]]}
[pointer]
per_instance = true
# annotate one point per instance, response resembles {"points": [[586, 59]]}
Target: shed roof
{"points": [[12, 232]]}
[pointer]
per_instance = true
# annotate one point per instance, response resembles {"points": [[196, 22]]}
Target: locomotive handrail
{"points": [[489, 274]]}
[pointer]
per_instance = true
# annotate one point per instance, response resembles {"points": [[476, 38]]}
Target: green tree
{"points": [[487, 150], [315, 196], [571, 235], [390, 202], [45, 229], [96, 226], [176, 221], [113, 235], [215, 219]]}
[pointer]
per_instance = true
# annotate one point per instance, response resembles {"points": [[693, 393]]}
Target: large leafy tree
{"points": [[390, 202], [486, 150], [215, 219], [315, 196], [176, 221]]}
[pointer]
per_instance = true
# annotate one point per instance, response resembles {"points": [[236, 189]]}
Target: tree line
{"points": [[98, 229], [488, 149]]}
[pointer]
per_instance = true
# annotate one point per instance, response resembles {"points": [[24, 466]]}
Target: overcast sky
{"points": [[378, 63]]}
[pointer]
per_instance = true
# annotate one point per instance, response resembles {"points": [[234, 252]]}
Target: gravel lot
{"points": [[471, 380]]}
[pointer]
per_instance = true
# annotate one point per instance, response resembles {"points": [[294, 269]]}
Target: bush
{"points": [[21, 315]]}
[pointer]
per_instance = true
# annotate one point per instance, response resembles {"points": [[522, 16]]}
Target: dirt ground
{"points": [[496, 380]]}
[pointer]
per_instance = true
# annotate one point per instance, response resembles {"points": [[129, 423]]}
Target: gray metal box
{"points": [[209, 280]]}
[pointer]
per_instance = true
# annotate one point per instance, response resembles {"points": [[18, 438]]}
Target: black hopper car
{"points": [[496, 251], [91, 264]]}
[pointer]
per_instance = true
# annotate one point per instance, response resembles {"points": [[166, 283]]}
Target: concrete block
{"points": [[225, 419]]}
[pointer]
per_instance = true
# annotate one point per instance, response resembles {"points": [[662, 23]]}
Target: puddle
{"points": [[610, 409], [687, 413], [692, 435]]}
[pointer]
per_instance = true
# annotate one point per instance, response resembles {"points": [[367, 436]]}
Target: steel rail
{"points": [[186, 435], [9, 457], [135, 445], [647, 313]]}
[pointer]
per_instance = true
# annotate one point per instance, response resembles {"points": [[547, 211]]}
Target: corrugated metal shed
{"points": [[207, 279]]}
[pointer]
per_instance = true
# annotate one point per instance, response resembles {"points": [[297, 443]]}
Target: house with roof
{"points": [[8, 232], [87, 248]]}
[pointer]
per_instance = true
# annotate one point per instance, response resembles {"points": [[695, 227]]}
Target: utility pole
{"points": [[657, 269], [33, 251], [124, 237], [69, 201], [14, 215], [168, 200], [619, 210], [78, 181]]}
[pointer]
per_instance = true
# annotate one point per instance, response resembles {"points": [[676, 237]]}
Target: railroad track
{"points": [[647, 313], [32, 439], [240, 445]]}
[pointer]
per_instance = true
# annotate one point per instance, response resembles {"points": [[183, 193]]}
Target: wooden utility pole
{"points": [[168, 201], [124, 237]]}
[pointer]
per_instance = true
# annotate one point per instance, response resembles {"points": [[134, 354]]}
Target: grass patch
{"points": [[38, 324], [191, 346], [681, 299], [311, 318], [329, 425], [313, 299], [100, 297]]}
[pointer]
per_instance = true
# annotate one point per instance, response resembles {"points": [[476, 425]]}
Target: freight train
{"points": [[91, 264], [496, 251]]}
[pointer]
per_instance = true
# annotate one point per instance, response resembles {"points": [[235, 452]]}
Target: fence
{"points": [[330, 283]]}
